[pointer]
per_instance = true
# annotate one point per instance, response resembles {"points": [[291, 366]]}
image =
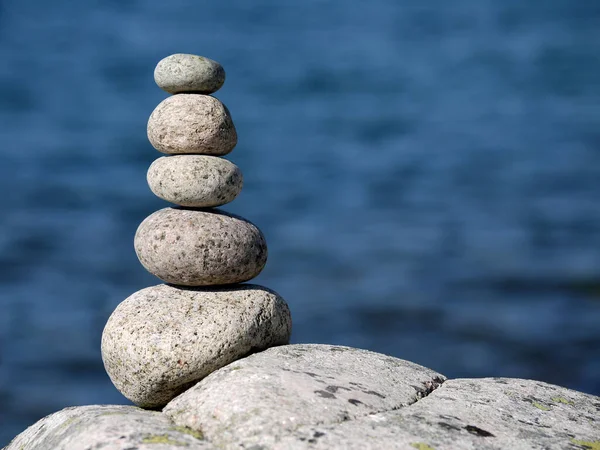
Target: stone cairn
{"points": [[163, 339]]}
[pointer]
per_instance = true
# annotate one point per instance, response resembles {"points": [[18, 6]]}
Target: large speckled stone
{"points": [[192, 123], [195, 180], [260, 399], [200, 247], [189, 73], [107, 427], [163, 339]]}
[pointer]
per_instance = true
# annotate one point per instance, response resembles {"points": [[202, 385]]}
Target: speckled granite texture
{"points": [[200, 247], [195, 180], [303, 397], [163, 339], [192, 123], [189, 73], [107, 427]]}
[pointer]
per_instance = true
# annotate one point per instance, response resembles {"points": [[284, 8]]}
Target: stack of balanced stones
{"points": [[163, 339]]}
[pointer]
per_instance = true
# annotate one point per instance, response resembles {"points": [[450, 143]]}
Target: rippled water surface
{"points": [[427, 175]]}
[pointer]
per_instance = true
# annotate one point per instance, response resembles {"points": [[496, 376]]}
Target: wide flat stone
{"points": [[346, 398], [189, 73], [488, 413], [200, 247], [266, 396], [107, 427], [192, 123], [195, 180], [163, 339]]}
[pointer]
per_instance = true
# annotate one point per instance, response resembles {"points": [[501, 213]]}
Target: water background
{"points": [[427, 176]]}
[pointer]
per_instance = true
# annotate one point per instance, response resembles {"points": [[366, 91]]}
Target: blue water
{"points": [[427, 176]]}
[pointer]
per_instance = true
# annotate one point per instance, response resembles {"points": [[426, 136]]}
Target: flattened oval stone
{"points": [[192, 123], [163, 339], [195, 180], [189, 73], [200, 248]]}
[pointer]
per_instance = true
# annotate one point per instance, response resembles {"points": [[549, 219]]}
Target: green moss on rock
{"points": [[590, 445], [421, 446], [189, 431], [540, 406], [163, 439], [562, 400]]}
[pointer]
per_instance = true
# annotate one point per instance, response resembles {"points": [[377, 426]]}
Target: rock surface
{"points": [[200, 247], [107, 427], [192, 123], [488, 413], [162, 339], [195, 180], [327, 397], [189, 73], [259, 400]]}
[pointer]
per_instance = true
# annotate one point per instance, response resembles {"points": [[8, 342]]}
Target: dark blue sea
{"points": [[426, 173]]}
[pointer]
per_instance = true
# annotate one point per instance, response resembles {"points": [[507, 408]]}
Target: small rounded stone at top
{"points": [[189, 73]]}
